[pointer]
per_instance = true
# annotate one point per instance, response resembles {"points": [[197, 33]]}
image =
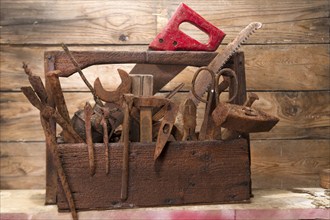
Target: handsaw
{"points": [[172, 38], [203, 81]]}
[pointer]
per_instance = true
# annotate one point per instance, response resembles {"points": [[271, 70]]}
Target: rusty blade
{"points": [[189, 121], [88, 110], [165, 128], [127, 106], [114, 96], [204, 80], [31, 96], [243, 119], [160, 112], [36, 84]]}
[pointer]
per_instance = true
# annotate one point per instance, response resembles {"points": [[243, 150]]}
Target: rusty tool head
{"points": [[189, 121], [243, 119], [251, 99], [165, 129], [114, 96]]}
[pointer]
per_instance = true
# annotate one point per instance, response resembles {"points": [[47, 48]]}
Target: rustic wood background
{"points": [[287, 65]]}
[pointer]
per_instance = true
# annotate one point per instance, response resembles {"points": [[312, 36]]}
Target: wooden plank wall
{"points": [[287, 65]]}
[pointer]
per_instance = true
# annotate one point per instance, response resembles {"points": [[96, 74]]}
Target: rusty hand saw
{"points": [[172, 38], [203, 81]]}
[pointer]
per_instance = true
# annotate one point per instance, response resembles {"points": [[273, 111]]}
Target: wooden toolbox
{"points": [[187, 172]]}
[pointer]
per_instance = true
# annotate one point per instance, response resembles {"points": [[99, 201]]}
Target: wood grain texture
{"points": [[23, 165], [137, 22], [185, 173], [286, 62], [301, 18], [268, 67], [274, 163], [302, 114], [80, 22], [288, 164]]}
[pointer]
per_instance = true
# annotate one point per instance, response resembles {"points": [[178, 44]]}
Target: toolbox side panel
{"points": [[186, 173]]}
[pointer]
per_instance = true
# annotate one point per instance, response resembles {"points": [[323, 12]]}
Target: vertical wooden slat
{"points": [[51, 175]]}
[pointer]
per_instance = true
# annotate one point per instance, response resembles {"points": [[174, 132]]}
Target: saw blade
{"points": [[203, 81]]}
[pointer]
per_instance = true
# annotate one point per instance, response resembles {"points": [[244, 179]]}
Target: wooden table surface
{"points": [[299, 203]]}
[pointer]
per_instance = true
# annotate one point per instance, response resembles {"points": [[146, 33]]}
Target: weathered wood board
{"points": [[137, 22], [286, 62], [268, 67], [186, 173], [302, 114], [293, 163]]}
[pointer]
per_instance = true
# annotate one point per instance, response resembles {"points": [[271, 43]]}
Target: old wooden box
{"points": [[187, 173], [198, 172]]}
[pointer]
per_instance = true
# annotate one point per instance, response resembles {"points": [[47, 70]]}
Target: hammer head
{"points": [[172, 38]]}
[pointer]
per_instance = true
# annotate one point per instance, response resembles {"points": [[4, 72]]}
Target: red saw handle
{"points": [[172, 38]]}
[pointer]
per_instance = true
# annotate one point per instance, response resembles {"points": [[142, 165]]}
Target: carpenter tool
{"points": [[160, 112], [165, 129], [57, 93], [152, 102], [36, 84], [88, 111], [114, 119], [166, 125], [163, 65], [105, 115], [142, 85], [127, 106], [228, 134], [243, 119], [203, 82], [172, 38], [189, 121], [49, 112], [209, 131], [114, 96], [78, 69], [41, 103]]}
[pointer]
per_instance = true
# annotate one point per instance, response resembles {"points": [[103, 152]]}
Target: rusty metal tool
{"points": [[105, 115], [142, 86], [160, 112], [58, 96], [228, 134], [36, 84], [165, 128], [172, 38], [243, 119], [88, 110], [166, 125], [113, 99], [38, 99], [189, 121], [49, 112], [209, 131], [127, 106], [203, 82], [78, 69], [114, 96]]}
